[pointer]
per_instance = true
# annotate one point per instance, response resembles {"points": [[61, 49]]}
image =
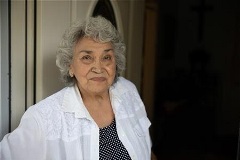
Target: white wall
{"points": [[4, 78]]}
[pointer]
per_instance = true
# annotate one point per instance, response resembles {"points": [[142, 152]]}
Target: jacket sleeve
{"points": [[26, 142], [140, 111]]}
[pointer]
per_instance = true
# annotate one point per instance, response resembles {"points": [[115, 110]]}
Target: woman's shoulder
{"points": [[48, 113], [55, 98], [50, 103], [125, 85]]}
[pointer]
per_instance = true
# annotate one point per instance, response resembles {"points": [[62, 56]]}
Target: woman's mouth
{"points": [[98, 79]]}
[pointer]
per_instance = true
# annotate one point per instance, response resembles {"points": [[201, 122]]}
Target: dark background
{"points": [[197, 82]]}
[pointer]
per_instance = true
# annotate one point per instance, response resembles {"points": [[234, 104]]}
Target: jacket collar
{"points": [[116, 94], [73, 103]]}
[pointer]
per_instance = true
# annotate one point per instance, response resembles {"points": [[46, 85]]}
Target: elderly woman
{"points": [[98, 115]]}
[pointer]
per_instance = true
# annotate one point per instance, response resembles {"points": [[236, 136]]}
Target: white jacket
{"points": [[60, 127]]}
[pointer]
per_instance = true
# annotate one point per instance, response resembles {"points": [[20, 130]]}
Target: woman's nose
{"points": [[97, 66], [96, 70]]}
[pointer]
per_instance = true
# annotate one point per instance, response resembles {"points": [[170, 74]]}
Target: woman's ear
{"points": [[70, 71]]}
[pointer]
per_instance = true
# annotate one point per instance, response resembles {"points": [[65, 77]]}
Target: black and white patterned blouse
{"points": [[110, 146]]}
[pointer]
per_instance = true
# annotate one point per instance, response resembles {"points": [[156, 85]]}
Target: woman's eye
{"points": [[108, 57], [87, 58]]}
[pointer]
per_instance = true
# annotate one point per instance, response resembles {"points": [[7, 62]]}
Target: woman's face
{"points": [[93, 66]]}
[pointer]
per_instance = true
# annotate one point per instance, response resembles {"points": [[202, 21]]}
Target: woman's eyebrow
{"points": [[85, 51], [107, 50], [89, 51]]}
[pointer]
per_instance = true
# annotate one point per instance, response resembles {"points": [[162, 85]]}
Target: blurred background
{"points": [[183, 56], [196, 77]]}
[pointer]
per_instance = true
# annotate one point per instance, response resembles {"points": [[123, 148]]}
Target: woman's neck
{"points": [[100, 108]]}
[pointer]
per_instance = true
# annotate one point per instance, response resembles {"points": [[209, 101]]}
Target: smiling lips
{"points": [[98, 79]]}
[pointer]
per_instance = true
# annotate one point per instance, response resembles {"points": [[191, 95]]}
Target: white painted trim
{"points": [[39, 82], [118, 17], [92, 6], [73, 11], [1, 106], [30, 51], [135, 42], [17, 62], [4, 69]]}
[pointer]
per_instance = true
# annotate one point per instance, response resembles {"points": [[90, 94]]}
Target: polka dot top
{"points": [[110, 146]]}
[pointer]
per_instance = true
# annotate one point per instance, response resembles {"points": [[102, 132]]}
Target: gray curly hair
{"points": [[100, 30]]}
